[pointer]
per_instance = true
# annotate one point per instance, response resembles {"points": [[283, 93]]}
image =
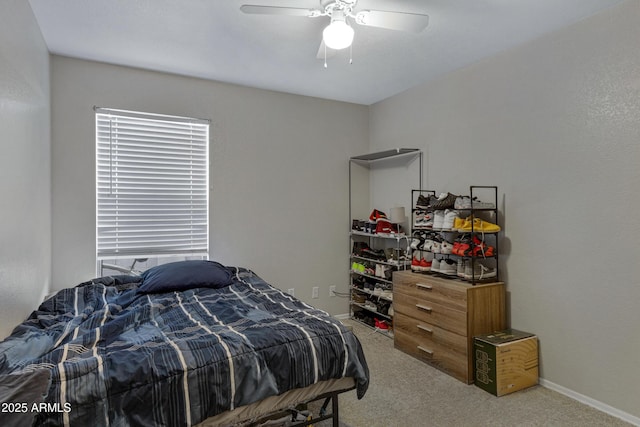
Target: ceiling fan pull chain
{"points": [[325, 56]]}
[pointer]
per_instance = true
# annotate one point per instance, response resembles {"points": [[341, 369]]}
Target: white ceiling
{"points": [[213, 39]]}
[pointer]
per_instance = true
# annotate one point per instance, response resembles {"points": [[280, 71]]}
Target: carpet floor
{"points": [[406, 392]]}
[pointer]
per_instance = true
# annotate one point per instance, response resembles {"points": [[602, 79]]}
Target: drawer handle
{"points": [[424, 328], [424, 350], [424, 287], [423, 307]]}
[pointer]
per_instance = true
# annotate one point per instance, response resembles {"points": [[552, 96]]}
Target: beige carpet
{"points": [[406, 392]]}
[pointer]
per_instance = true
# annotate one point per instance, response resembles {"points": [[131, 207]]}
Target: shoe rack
{"points": [[374, 256], [476, 258]]}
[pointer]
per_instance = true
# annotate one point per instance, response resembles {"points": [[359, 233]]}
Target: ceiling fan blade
{"points": [[330, 52], [413, 22], [275, 10]]}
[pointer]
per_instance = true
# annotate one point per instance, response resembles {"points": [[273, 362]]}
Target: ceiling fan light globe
{"points": [[338, 35]]}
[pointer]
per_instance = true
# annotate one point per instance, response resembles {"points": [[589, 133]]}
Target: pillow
{"points": [[184, 275]]}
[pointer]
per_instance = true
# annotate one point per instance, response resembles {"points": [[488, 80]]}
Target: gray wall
{"points": [[556, 125], [278, 172], [25, 167]]}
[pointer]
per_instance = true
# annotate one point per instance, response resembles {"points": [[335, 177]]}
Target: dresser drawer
{"points": [[429, 335], [443, 291], [431, 312], [437, 355]]}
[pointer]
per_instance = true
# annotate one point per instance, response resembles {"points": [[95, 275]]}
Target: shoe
{"points": [[359, 248], [425, 265], [462, 263], [462, 203], [438, 219], [383, 227], [448, 220], [462, 246], [355, 225], [428, 242], [414, 243], [435, 265], [357, 267], [448, 267], [446, 248], [481, 249], [478, 271], [374, 254], [415, 264], [390, 312], [477, 204], [423, 202], [424, 220], [358, 298], [369, 227], [382, 325], [460, 223], [387, 291], [377, 215], [370, 305], [479, 226], [368, 270], [428, 220], [436, 246], [444, 201]]}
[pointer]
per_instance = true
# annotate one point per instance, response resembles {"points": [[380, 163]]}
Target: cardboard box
{"points": [[505, 361]]}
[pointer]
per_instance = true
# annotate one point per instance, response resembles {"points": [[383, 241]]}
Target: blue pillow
{"points": [[184, 275]]}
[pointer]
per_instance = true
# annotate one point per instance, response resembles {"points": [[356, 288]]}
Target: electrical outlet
{"points": [[291, 292], [314, 292], [332, 291]]}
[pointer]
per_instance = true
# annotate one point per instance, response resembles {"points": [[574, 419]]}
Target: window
{"points": [[151, 186]]}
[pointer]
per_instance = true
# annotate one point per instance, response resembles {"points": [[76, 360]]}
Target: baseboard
{"points": [[342, 316], [591, 402]]}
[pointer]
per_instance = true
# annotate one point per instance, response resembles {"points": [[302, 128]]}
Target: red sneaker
{"points": [[415, 264], [377, 215], [425, 265], [383, 227]]}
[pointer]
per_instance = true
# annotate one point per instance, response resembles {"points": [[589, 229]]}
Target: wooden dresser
{"points": [[436, 319]]}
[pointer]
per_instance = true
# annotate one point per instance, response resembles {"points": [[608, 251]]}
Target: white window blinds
{"points": [[151, 185]]}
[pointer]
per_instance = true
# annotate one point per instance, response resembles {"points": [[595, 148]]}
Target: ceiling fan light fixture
{"points": [[338, 34]]}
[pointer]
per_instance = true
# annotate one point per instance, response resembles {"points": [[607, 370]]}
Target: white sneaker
{"points": [[428, 243], [462, 202], [449, 217], [419, 219], [460, 269], [446, 248], [478, 272], [477, 204], [448, 267], [427, 222], [438, 220], [435, 265], [414, 243]]}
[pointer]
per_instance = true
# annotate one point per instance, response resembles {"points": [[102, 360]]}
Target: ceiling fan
{"points": [[339, 33]]}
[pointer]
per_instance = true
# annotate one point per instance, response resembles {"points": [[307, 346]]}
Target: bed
{"points": [[216, 347]]}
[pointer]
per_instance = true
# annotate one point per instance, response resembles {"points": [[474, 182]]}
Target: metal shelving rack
{"points": [[492, 212], [367, 161]]}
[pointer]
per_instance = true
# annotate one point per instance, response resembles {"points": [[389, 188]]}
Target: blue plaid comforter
{"points": [[114, 357]]}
